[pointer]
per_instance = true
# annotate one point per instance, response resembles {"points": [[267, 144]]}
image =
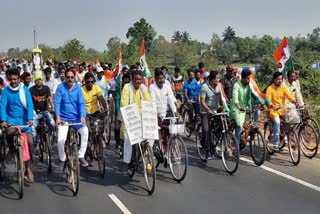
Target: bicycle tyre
{"points": [[100, 156], [230, 142], [2, 160], [74, 169], [312, 122], [20, 170], [175, 150], [266, 137], [308, 140], [261, 147], [294, 147], [200, 149], [149, 168], [186, 119], [48, 151]]}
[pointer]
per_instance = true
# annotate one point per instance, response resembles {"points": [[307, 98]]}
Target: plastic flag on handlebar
{"points": [[224, 99], [256, 91]]}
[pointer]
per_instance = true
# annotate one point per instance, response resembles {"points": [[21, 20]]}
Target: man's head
{"points": [[89, 81], [201, 66], [191, 74], [277, 78], [14, 77], [126, 79], [125, 70], [229, 71], [24, 66], [69, 75], [176, 72], [26, 78], [297, 74], [38, 81], [292, 76], [164, 69], [159, 76], [214, 77], [81, 68], [62, 71], [198, 75], [100, 73], [47, 73], [136, 78], [245, 77]]}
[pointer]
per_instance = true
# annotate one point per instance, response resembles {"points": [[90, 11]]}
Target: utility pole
{"points": [[34, 37]]}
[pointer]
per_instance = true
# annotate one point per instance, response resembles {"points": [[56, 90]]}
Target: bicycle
{"points": [[190, 121], [95, 148], [252, 134], [10, 151], [45, 145], [287, 136], [222, 142], [172, 149], [308, 136], [72, 159], [145, 158], [111, 116]]}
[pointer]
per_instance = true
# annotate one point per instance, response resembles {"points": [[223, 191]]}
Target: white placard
{"points": [[132, 120], [149, 120]]}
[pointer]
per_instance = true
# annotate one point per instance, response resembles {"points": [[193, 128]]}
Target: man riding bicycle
{"points": [[210, 100], [277, 93], [162, 94], [17, 109], [70, 107], [133, 92], [41, 95]]}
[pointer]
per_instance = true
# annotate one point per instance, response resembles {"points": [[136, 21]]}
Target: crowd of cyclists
{"points": [[67, 93]]}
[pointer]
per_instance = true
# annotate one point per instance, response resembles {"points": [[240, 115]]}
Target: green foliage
{"points": [[73, 48], [141, 30], [229, 34]]}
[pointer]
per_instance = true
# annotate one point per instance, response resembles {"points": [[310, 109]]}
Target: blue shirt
{"points": [[192, 89], [12, 110], [70, 104]]}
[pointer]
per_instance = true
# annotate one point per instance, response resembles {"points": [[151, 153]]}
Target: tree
{"points": [[73, 48], [229, 34], [46, 51], [185, 37], [113, 46], [177, 37], [141, 30]]}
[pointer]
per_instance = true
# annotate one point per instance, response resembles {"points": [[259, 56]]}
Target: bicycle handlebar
{"points": [[63, 123]]}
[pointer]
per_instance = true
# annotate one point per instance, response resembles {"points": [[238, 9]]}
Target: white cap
{"points": [[99, 69]]}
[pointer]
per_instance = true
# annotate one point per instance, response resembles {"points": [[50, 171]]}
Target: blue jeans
{"points": [[49, 120], [238, 132], [276, 130]]}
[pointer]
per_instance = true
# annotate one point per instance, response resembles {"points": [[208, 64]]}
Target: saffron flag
{"points": [[143, 64], [283, 57]]}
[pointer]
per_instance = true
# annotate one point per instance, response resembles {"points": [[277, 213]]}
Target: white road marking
{"points": [[119, 204], [297, 180]]}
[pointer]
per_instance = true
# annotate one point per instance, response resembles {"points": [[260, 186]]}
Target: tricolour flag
{"points": [[283, 57], [119, 64], [143, 64], [257, 92]]}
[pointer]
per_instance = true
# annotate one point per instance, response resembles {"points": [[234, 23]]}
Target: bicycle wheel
{"points": [[149, 167], [257, 147], [2, 159], [20, 169], [200, 148], [186, 121], [74, 169], [293, 146], [312, 122], [266, 136], [177, 158], [308, 140], [230, 152], [100, 156], [157, 153], [48, 150]]}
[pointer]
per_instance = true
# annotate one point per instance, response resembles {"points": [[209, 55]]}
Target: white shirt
{"points": [[52, 83], [104, 86], [163, 97]]}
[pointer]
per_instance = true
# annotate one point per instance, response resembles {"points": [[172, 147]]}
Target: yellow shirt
{"points": [[125, 95], [278, 96], [91, 98]]}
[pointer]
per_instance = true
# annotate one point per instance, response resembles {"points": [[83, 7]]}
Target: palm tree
{"points": [[185, 37], [229, 34], [177, 37]]}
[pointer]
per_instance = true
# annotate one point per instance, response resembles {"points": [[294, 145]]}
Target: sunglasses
{"points": [[70, 77], [89, 82]]}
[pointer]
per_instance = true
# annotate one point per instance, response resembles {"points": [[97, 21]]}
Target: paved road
{"points": [[206, 189]]}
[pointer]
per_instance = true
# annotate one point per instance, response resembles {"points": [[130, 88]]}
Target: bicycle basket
{"points": [[292, 116], [176, 128]]}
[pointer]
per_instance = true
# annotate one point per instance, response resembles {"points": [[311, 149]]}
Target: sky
{"points": [[94, 22]]}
